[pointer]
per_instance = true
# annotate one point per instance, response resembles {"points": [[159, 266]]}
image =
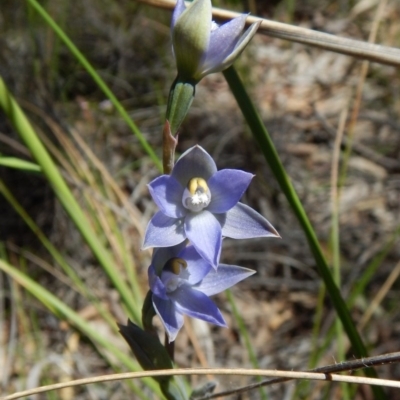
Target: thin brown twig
{"points": [[347, 366], [322, 374], [351, 47]]}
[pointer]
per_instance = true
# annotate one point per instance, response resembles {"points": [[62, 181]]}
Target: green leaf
{"points": [[147, 348]]}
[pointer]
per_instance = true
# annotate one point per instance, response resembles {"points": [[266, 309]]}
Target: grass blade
{"points": [[62, 191], [13, 162], [58, 308], [99, 81]]}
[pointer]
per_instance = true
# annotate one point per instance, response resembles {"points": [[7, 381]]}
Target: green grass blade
{"points": [[62, 191], [57, 256], [267, 147], [58, 308], [96, 77], [17, 163], [335, 243]]}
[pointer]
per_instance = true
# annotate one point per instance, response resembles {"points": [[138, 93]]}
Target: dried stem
{"points": [[322, 374], [329, 369]]}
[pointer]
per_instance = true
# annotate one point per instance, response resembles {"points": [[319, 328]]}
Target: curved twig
{"points": [[322, 374]]}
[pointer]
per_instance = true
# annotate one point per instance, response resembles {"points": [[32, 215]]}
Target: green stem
{"points": [[267, 147]]}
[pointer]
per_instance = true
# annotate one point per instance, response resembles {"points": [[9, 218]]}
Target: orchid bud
{"points": [[201, 47]]}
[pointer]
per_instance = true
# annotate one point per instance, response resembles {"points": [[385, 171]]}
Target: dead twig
{"points": [[322, 374], [348, 366]]}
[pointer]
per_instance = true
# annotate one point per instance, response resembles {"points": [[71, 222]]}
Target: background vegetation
{"points": [[74, 267]]}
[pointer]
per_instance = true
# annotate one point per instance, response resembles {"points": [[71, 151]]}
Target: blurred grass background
{"points": [[61, 308]]}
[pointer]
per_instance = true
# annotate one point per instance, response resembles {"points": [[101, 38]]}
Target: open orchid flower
{"points": [[201, 204], [181, 281], [201, 47]]}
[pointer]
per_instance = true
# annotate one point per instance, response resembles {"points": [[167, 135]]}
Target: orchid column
{"points": [[198, 204]]}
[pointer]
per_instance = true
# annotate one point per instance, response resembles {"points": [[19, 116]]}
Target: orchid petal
{"points": [[156, 284], [223, 40], [204, 232], [197, 267], [194, 163], [197, 305], [242, 222], [180, 7], [227, 187], [223, 278], [171, 318], [240, 46], [167, 193], [163, 231]]}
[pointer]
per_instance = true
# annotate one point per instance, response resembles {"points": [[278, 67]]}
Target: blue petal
{"points": [[235, 53], [162, 254], [194, 163], [242, 222], [196, 304], [171, 318], [197, 267], [204, 232], [167, 193], [223, 40], [163, 231], [222, 279], [246, 37], [227, 187], [156, 285], [180, 7]]}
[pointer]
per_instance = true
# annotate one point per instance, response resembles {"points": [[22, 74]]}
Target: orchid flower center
{"points": [[174, 274], [197, 195]]}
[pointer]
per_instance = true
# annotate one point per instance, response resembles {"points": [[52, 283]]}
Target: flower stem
{"points": [[169, 146]]}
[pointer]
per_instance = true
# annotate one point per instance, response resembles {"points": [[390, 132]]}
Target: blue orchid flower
{"points": [[181, 282], [201, 204], [201, 47]]}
